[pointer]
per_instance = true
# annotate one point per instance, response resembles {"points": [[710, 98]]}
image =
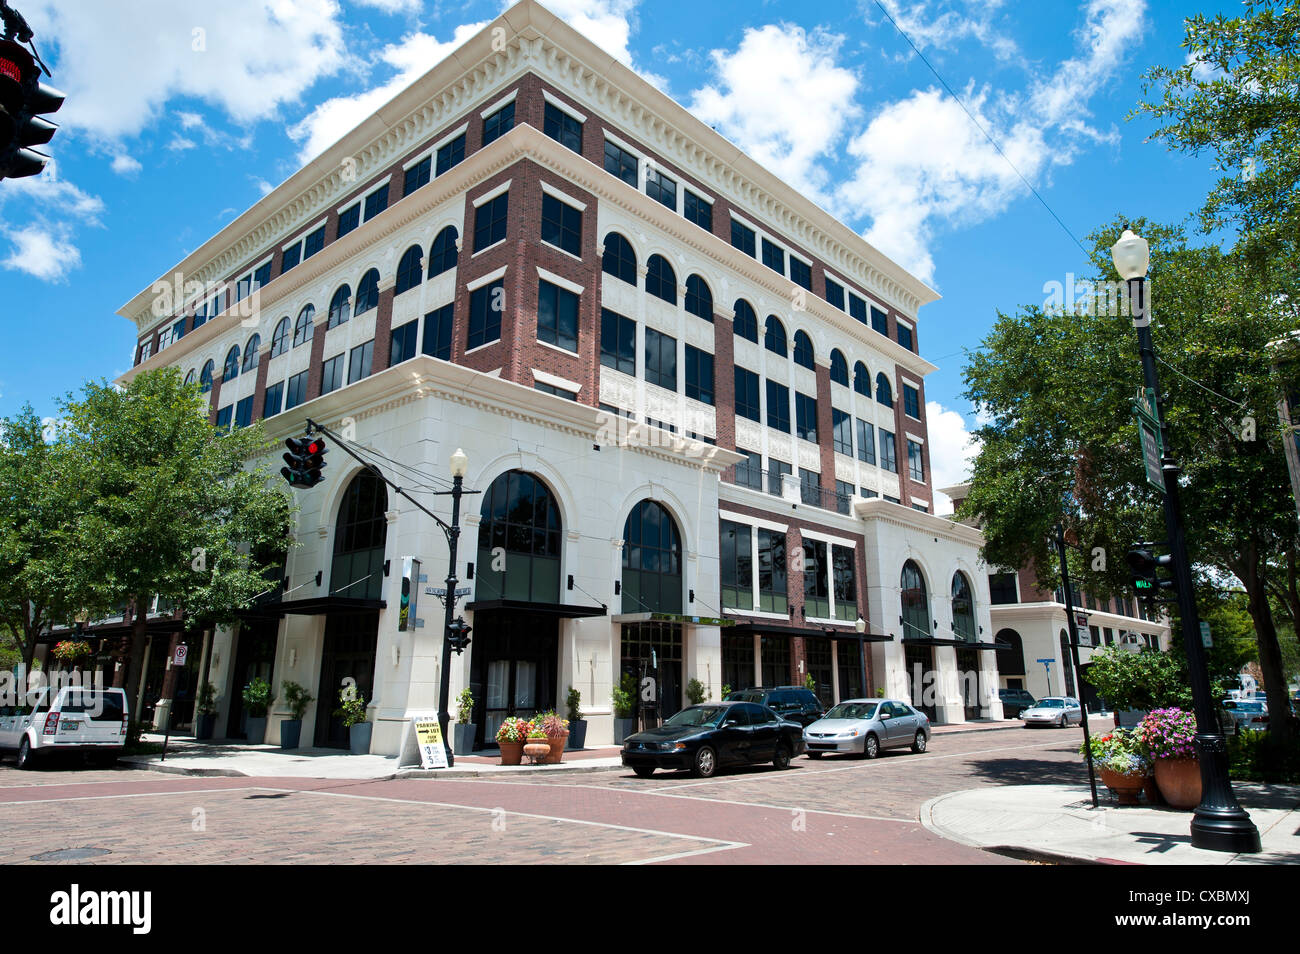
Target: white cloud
{"points": [[952, 451], [125, 165], [942, 26], [263, 187], [781, 97], [607, 23], [390, 6], [42, 251]]}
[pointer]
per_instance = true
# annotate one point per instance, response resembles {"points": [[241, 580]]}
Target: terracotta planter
{"points": [[1126, 788], [512, 753], [557, 749], [1179, 781], [539, 750]]}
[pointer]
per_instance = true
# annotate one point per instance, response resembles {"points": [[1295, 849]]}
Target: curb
{"points": [[163, 767], [434, 774]]}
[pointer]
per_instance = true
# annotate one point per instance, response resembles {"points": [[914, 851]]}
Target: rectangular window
{"points": [[842, 431], [621, 163], [485, 307], [418, 175], [742, 237], [888, 458], [879, 321], [867, 492], [911, 402], [557, 316], [313, 243], [297, 391], [499, 123], [805, 408], [771, 572], [843, 496], [404, 341], [893, 500], [749, 472], [774, 257], [359, 361], [776, 471], [437, 332], [915, 462], [561, 225], [376, 202], [262, 276], [816, 583], [843, 584], [810, 490], [292, 256], [552, 389], [857, 308], [178, 330], [698, 210], [349, 219], [866, 442], [660, 359], [617, 342], [699, 375], [562, 127], [244, 412], [332, 374], [747, 395], [835, 294], [661, 188], [490, 221], [736, 565], [905, 337], [921, 507], [778, 407], [800, 273], [273, 400], [450, 155], [223, 417]]}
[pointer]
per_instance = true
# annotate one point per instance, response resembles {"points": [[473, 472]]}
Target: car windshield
{"points": [[698, 715], [1051, 703], [745, 695], [1250, 706], [852, 710]]}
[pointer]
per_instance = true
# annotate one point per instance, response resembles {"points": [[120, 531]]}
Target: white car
{"points": [[89, 721], [866, 727], [1059, 711]]}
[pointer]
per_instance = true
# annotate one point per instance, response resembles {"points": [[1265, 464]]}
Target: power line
{"points": [[1203, 387]]}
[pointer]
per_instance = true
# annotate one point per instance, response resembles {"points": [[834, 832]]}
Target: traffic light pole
{"points": [[1220, 823], [1074, 656]]}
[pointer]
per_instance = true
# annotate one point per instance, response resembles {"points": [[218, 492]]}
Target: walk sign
{"points": [[1146, 414]]}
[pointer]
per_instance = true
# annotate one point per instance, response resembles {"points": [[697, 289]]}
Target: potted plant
{"points": [[510, 738], [624, 700], [71, 651], [809, 682], [465, 730], [726, 691], [352, 710], [1135, 683], [1169, 735], [297, 698], [696, 692], [537, 746], [577, 724], [205, 709], [557, 733], [1122, 762], [257, 699]]}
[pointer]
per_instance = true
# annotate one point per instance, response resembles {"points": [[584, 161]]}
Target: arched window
{"points": [[280, 337], [803, 351], [746, 321], [699, 300], [340, 306], [839, 368], [661, 280], [357, 571], [410, 270], [230, 370], [884, 394], [916, 605], [1067, 665], [302, 326], [252, 353], [189, 377], [205, 377], [619, 259], [519, 515], [963, 607], [367, 293], [1011, 653], [774, 336], [652, 561], [861, 379], [443, 252]]}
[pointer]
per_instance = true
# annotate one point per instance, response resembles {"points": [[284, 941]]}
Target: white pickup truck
{"points": [[90, 721]]}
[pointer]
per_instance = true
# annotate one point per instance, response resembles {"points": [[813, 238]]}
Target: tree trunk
{"points": [[136, 661], [1270, 655]]}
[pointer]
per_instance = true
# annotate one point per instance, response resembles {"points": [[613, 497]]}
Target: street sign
{"points": [[428, 735], [1206, 641], [1148, 422], [1045, 662], [178, 659], [441, 591]]}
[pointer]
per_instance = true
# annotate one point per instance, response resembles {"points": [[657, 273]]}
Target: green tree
{"points": [[172, 508], [1056, 385], [1142, 680]]}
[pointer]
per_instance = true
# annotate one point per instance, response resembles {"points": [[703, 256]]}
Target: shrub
{"points": [[1121, 751], [574, 705], [1144, 680], [352, 707], [207, 700], [1263, 757], [257, 697], [465, 706], [297, 698], [695, 691], [624, 697]]}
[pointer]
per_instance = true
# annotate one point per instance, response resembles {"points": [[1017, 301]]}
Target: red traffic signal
{"points": [[23, 100], [304, 461]]}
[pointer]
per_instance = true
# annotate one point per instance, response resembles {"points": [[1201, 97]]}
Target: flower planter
{"points": [[557, 749], [463, 737], [256, 728], [539, 750], [1179, 781], [359, 738], [205, 726], [622, 729], [290, 733], [577, 734], [512, 753], [1125, 788]]}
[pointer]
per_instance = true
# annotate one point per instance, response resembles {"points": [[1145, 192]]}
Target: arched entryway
{"points": [[652, 583], [1011, 657], [918, 649]]}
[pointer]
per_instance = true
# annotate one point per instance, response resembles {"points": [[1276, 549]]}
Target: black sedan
{"points": [[705, 737]]}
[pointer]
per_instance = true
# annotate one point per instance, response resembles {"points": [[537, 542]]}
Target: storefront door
{"points": [[254, 657], [348, 653], [921, 678], [512, 670]]}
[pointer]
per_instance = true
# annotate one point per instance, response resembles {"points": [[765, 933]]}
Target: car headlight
{"points": [[679, 746], [850, 734]]}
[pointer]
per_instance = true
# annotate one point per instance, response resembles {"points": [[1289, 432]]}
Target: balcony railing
{"points": [[774, 482]]}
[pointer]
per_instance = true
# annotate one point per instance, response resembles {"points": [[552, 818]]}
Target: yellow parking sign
{"points": [[428, 735]]}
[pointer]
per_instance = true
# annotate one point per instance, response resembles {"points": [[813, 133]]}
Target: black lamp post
{"points": [[459, 466], [1220, 823]]}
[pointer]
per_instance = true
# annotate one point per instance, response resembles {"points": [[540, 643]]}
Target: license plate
{"points": [[71, 724]]}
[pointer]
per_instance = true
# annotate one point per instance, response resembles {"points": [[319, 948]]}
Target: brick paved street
{"points": [[835, 810]]}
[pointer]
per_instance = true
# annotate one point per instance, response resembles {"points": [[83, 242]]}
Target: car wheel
{"points": [[814, 755], [706, 762], [1063, 723], [870, 746], [781, 760], [918, 744], [26, 758], [643, 771]]}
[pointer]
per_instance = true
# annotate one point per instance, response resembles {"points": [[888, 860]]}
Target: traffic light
{"points": [[1145, 567], [304, 460], [459, 634], [24, 99]]}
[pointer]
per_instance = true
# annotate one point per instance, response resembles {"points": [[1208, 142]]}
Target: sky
{"points": [[918, 124]]}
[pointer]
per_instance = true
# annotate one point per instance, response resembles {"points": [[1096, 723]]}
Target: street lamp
{"points": [[1220, 823], [459, 467]]}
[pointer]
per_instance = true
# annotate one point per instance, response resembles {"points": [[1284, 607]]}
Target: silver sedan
{"points": [[1060, 711], [866, 726]]}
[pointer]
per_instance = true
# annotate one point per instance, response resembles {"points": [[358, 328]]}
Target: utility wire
{"points": [[1203, 387]]}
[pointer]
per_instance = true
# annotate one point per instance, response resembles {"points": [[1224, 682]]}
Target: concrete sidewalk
{"points": [[1058, 823]]}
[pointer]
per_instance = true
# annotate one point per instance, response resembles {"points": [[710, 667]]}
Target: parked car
{"points": [[795, 703], [92, 722], [1246, 715], [1015, 701], [706, 737], [1059, 711], [865, 726]]}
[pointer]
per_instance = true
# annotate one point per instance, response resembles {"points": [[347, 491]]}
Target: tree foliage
{"points": [[1143, 680]]}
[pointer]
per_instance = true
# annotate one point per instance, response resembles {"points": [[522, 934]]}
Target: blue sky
{"points": [[182, 113]]}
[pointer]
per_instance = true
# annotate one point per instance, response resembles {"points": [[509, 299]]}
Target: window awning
{"points": [[937, 641], [776, 629], [672, 618], [316, 606], [561, 610]]}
